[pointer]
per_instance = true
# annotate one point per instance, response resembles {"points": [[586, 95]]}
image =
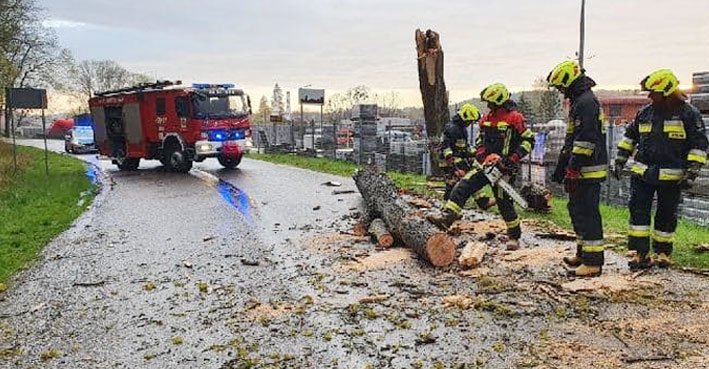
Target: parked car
{"points": [[80, 139]]}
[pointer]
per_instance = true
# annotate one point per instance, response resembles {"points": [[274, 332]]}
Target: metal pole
{"points": [[582, 35], [14, 143], [46, 150]]}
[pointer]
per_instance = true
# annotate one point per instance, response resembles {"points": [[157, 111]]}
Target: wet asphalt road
{"points": [[160, 273], [163, 256]]}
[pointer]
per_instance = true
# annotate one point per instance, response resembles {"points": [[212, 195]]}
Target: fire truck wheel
{"points": [[178, 162], [128, 163], [229, 162]]}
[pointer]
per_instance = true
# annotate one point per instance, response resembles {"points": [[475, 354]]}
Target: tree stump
{"points": [[402, 220], [433, 89]]}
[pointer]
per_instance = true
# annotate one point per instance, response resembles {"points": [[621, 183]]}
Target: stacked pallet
{"points": [[365, 132], [700, 92]]}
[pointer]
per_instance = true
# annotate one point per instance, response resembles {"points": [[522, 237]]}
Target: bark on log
{"points": [[472, 254], [433, 89], [401, 219], [361, 228], [379, 230]]}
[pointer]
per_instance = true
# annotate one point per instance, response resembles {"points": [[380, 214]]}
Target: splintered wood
{"points": [[472, 254], [380, 260]]}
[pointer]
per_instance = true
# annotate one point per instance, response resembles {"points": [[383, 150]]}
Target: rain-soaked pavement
{"points": [[251, 268]]}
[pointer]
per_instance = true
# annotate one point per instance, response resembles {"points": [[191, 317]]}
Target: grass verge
{"points": [[35, 208], [615, 218]]}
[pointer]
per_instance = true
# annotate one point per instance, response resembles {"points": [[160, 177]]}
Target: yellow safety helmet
{"points": [[469, 113], [496, 93], [564, 74], [662, 81]]}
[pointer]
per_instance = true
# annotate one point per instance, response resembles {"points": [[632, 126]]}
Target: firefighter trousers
{"points": [[641, 197], [586, 219], [472, 186]]}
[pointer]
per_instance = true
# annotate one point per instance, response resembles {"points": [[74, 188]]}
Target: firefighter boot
{"points": [[586, 271], [572, 261], [512, 244], [443, 220], [663, 260], [639, 261], [485, 202]]}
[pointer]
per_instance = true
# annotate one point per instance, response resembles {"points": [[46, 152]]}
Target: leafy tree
{"points": [[524, 105], [549, 105], [264, 110]]}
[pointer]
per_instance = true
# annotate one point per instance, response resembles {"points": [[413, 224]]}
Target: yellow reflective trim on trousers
{"points": [[582, 151], [699, 156], [450, 205], [590, 249], [592, 246], [458, 160], [526, 146], [638, 233], [664, 237], [447, 152], [513, 223], [594, 172], [667, 174]]}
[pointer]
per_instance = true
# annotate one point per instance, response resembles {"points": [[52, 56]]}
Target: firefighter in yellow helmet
{"points": [[668, 143], [503, 141], [582, 166], [457, 153]]}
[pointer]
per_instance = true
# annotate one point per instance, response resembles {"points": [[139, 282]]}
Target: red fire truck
{"points": [[174, 124]]}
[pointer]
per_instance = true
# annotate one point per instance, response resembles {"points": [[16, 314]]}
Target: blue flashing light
{"points": [[219, 135], [209, 85]]}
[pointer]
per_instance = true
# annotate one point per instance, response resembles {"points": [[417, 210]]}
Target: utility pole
{"points": [[582, 32]]}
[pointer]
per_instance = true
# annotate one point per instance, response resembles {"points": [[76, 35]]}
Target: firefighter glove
{"points": [[693, 171]]}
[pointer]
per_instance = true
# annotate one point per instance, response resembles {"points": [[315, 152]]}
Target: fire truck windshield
{"points": [[220, 106]]}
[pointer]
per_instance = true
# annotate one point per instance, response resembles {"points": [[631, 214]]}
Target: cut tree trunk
{"points": [[433, 89], [402, 220], [379, 230]]}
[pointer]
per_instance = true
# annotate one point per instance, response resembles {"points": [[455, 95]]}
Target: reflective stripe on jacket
{"points": [[665, 142]]}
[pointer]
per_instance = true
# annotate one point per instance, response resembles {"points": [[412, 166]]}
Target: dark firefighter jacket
{"points": [[667, 141], [454, 144], [586, 132], [505, 134]]}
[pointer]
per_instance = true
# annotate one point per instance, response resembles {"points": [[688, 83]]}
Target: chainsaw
{"points": [[496, 178]]}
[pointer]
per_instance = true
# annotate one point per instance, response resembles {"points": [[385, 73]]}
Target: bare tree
{"points": [[548, 105], [91, 76], [29, 52]]}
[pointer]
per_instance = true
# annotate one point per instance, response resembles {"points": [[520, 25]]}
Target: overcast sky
{"points": [[338, 44]]}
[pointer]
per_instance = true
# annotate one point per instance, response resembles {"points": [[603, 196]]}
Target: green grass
{"points": [[413, 182], [35, 208], [615, 218]]}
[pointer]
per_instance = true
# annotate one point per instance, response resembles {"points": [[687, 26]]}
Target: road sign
{"points": [[311, 96]]}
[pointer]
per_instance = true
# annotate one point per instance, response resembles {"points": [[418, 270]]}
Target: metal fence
{"points": [[549, 142], [367, 141]]}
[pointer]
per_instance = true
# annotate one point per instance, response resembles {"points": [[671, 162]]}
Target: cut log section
{"points": [[361, 228], [472, 254], [403, 220], [379, 230]]}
